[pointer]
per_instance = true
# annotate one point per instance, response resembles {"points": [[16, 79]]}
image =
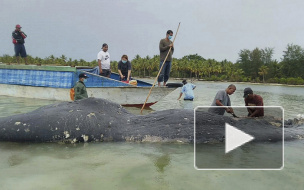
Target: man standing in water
{"points": [[222, 100], [164, 47], [18, 40], [253, 100], [187, 90], [103, 58]]}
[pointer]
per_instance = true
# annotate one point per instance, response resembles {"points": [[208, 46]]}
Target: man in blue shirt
{"points": [[187, 90]]}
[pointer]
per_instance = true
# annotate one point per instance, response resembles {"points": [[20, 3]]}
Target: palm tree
{"points": [[136, 64], [236, 75], [52, 59], [145, 63], [63, 58], [263, 71], [70, 61]]}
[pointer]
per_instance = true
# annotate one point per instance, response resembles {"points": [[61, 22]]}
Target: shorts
{"points": [[105, 73], [20, 50], [189, 99]]}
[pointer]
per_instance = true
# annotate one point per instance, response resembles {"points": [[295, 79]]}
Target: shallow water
{"points": [[148, 165], [133, 166], [291, 98]]}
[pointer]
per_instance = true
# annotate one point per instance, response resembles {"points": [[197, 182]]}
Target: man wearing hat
{"points": [[187, 90], [18, 40], [253, 100], [80, 88]]}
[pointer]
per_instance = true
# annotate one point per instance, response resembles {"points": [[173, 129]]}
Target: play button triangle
{"points": [[235, 138]]}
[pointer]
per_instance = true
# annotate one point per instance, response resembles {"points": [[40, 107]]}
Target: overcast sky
{"points": [[216, 29]]}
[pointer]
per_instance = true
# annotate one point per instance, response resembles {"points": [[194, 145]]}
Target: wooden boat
{"points": [[55, 82]]}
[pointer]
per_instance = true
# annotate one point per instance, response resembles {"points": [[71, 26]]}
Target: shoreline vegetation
{"points": [[253, 66]]}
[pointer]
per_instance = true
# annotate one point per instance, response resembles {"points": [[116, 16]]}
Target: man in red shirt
{"points": [[253, 100]]}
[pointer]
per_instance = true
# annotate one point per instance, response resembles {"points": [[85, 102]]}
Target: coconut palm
{"points": [[263, 71]]}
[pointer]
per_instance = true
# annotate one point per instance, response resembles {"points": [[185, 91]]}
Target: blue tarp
{"points": [[59, 79], [53, 79], [96, 81]]}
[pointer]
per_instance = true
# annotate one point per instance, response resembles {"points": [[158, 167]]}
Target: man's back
{"points": [[188, 91]]}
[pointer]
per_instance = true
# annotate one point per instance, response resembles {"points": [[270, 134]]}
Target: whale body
{"points": [[95, 119]]}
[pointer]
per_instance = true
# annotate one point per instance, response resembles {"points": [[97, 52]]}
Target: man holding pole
{"points": [[166, 50], [165, 47]]}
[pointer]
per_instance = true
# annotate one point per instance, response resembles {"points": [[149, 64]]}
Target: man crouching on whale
{"points": [[223, 101], [253, 100]]}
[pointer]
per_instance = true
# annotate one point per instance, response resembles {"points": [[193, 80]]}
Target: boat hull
{"points": [[129, 96]]}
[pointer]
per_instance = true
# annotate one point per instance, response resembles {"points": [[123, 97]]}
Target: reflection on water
{"points": [[146, 165], [161, 162]]}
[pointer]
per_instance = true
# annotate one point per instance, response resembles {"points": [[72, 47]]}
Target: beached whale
{"points": [[101, 120]]}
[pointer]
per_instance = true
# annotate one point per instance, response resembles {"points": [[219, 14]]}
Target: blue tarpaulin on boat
{"points": [[97, 81], [53, 79], [60, 79]]}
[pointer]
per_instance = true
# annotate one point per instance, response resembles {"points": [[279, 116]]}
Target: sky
{"points": [[215, 29]]}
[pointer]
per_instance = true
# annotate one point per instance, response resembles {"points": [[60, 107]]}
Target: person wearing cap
{"points": [[18, 37], [124, 68], [222, 101], [253, 100], [164, 46], [103, 58], [80, 87], [187, 90]]}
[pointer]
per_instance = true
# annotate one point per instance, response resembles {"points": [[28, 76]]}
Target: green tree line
{"points": [[255, 65]]}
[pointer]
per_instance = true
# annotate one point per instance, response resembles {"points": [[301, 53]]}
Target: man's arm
{"points": [[14, 40], [162, 46], [14, 37], [23, 35], [248, 109], [254, 113], [257, 110], [129, 70], [219, 103], [193, 86], [129, 74], [77, 91], [180, 95], [99, 64], [120, 73]]}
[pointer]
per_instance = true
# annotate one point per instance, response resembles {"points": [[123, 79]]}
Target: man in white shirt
{"points": [[103, 58]]}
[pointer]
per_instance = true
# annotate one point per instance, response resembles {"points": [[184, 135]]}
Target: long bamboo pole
{"points": [[160, 70]]}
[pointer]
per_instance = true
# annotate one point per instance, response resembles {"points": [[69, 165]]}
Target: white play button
{"points": [[235, 138]]}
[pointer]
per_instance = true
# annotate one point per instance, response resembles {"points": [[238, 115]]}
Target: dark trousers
{"points": [[105, 73], [165, 72], [20, 50]]}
